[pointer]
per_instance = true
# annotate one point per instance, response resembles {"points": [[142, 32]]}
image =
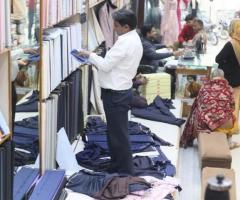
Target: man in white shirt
{"points": [[116, 71]]}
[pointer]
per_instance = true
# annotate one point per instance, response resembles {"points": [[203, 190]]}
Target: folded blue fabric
{"points": [[81, 59], [33, 57], [49, 186], [23, 182]]}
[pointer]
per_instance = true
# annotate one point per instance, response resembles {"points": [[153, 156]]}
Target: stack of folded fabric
{"points": [[157, 84]]}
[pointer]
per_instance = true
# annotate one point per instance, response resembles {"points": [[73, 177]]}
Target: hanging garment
{"points": [[179, 12], [169, 27], [154, 17], [95, 98], [106, 23], [194, 7], [158, 111]]}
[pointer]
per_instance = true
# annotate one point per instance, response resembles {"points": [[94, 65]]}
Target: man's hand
{"points": [[178, 53], [30, 51], [84, 53], [22, 62]]}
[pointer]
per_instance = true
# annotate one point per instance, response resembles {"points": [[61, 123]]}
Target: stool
{"points": [[209, 172], [214, 150]]}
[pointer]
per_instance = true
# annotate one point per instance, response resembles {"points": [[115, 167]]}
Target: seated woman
{"points": [[212, 110]]}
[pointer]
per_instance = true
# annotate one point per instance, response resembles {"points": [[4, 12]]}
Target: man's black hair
{"points": [[189, 17], [199, 21], [146, 29], [125, 17]]}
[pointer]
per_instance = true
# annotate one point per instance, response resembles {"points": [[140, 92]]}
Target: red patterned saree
{"points": [[213, 107]]}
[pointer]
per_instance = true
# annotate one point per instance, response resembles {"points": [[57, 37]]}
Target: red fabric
{"points": [[186, 34], [213, 107]]}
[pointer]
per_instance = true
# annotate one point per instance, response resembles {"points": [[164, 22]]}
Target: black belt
{"points": [[114, 91]]}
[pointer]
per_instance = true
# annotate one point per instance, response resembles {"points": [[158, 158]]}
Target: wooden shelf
{"points": [[5, 50], [4, 139], [81, 16]]}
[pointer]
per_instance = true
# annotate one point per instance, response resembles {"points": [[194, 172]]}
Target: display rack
{"points": [[6, 90], [74, 18]]}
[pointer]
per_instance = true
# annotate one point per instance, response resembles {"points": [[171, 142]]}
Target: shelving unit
{"points": [[5, 89], [75, 18], [6, 149]]}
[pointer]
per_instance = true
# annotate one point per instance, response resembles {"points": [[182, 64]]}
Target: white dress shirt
{"points": [[119, 66]]}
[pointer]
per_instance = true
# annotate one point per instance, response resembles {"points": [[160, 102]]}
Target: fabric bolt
{"points": [[26, 140], [23, 181], [31, 105], [213, 107], [49, 186], [95, 125], [81, 59], [158, 111], [169, 27], [69, 111], [88, 183]]}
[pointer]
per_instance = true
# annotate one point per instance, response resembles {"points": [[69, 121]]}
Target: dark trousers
{"points": [[116, 106]]}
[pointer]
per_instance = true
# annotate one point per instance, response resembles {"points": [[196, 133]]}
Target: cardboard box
{"points": [[187, 105]]}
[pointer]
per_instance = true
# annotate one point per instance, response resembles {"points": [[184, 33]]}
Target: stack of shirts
{"points": [[157, 84]]}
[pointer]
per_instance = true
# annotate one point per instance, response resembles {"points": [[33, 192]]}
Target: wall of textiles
{"points": [[62, 25], [63, 108], [57, 60], [56, 10]]}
